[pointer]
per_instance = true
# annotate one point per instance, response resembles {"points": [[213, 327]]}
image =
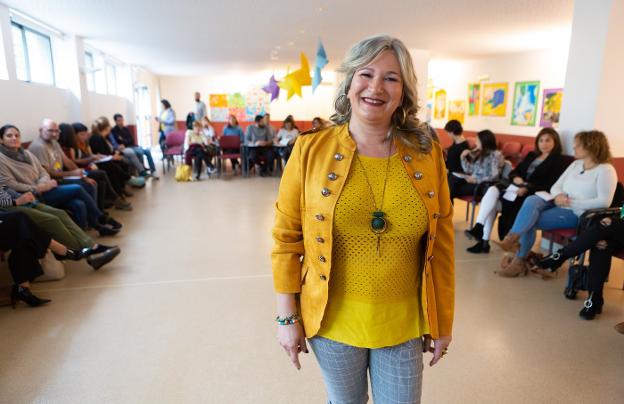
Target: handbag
{"points": [[183, 173], [53, 269]]}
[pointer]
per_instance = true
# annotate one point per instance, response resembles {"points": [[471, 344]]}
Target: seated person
{"points": [[286, 137], [319, 123], [200, 148], [483, 164], [59, 167], [260, 140], [603, 238], [124, 138], [455, 131], [537, 172], [21, 171], [107, 195], [588, 183], [57, 224], [100, 144]]}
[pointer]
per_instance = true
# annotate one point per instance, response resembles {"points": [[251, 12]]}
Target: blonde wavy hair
{"points": [[596, 144], [407, 127], [99, 125]]}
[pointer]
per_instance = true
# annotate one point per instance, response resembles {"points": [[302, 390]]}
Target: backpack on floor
{"points": [[183, 173]]}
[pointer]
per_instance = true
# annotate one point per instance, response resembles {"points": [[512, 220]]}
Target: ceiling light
{"points": [[291, 43]]}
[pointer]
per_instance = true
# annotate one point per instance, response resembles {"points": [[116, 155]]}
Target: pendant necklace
{"points": [[378, 223]]}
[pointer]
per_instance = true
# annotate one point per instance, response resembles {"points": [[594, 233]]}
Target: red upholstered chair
{"points": [[511, 151], [175, 147], [228, 143], [526, 149]]}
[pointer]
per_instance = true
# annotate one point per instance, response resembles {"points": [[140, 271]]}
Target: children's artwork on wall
{"points": [[257, 102], [440, 105], [551, 107], [218, 101], [429, 109], [219, 114], [524, 111], [474, 96], [218, 107], [494, 99], [457, 110]]}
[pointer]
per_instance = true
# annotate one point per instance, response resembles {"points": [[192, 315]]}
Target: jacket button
{"points": [[323, 277], [320, 239], [430, 258], [407, 158], [325, 192], [338, 156], [436, 215], [418, 175], [320, 217], [431, 194], [432, 237], [332, 176], [322, 258]]}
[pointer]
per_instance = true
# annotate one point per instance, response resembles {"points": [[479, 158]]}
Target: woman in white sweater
{"points": [[588, 183]]}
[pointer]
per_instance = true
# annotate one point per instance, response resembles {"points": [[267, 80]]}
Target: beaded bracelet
{"points": [[289, 320]]}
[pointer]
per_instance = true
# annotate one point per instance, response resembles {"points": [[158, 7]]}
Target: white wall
{"points": [[547, 66]]}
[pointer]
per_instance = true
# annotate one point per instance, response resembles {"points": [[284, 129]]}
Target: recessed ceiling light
{"points": [[302, 31], [291, 43]]}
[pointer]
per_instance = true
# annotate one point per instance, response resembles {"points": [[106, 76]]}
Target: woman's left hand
{"points": [[438, 349], [471, 180]]}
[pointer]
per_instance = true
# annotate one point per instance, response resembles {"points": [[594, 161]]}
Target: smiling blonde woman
{"points": [[363, 261]]}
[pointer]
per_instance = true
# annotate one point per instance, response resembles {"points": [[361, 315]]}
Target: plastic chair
{"points": [[511, 151], [526, 149]]}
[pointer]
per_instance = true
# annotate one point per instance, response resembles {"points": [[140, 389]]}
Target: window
{"points": [[90, 71], [33, 55], [4, 74], [111, 79]]}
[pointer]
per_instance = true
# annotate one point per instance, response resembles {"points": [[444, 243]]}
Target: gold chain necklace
{"points": [[379, 223]]}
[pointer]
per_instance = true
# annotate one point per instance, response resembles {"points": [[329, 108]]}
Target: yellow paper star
{"points": [[293, 82]]}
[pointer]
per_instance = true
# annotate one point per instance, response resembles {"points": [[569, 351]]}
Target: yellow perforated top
{"points": [[374, 300]]}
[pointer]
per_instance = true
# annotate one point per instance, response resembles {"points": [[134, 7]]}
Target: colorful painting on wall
{"points": [[551, 107], [429, 109], [494, 99], [243, 107], [457, 110], [474, 96], [439, 111], [524, 110], [257, 102]]}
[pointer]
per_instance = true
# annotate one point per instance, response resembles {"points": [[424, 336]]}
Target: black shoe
{"points": [[551, 262], [482, 246], [74, 255], [591, 307], [24, 294], [102, 258], [475, 233], [107, 231], [107, 220]]}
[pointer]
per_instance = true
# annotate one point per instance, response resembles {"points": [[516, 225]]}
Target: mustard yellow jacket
{"points": [[310, 187]]}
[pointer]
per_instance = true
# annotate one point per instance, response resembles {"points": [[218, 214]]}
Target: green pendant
{"points": [[378, 223]]}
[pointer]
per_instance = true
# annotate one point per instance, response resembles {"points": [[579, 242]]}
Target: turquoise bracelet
{"points": [[289, 320]]}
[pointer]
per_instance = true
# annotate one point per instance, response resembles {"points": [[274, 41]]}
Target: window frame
{"points": [[23, 28], [90, 74]]}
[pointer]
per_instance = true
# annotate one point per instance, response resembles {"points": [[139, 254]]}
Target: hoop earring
{"points": [[402, 124], [338, 101]]}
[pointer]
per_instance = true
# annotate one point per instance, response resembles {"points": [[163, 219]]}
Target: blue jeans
{"points": [[75, 199], [535, 214], [395, 372], [147, 153]]}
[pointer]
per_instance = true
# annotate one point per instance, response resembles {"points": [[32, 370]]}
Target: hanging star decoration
{"points": [[321, 62], [272, 88], [293, 82]]}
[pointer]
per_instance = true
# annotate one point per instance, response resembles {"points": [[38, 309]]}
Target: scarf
{"points": [[17, 155]]}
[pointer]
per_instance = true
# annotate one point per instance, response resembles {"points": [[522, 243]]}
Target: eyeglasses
{"points": [[53, 131]]}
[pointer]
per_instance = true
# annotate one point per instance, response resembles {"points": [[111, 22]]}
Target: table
{"points": [[245, 156]]}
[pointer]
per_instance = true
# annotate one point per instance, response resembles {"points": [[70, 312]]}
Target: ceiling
{"points": [[195, 37]]}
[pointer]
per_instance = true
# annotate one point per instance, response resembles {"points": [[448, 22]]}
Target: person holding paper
{"points": [[588, 183], [483, 164], [286, 137], [537, 172]]}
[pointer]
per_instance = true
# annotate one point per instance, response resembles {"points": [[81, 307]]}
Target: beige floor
{"points": [[185, 315]]}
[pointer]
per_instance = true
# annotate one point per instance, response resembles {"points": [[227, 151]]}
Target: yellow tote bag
{"points": [[183, 173]]}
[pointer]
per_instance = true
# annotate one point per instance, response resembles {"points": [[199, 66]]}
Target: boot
{"points": [[482, 246], [517, 267], [619, 328], [592, 306], [510, 243], [475, 233], [551, 262]]}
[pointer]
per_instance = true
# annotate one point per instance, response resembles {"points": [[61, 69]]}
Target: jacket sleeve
{"points": [[549, 171], [443, 263], [522, 167], [287, 231]]}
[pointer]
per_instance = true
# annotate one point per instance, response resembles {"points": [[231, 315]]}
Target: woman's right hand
{"points": [[28, 197], [518, 180], [562, 200], [292, 339]]}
